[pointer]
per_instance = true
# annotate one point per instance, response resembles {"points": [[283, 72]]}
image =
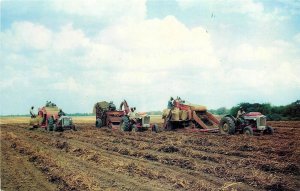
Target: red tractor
{"points": [[123, 119], [249, 124], [61, 122]]}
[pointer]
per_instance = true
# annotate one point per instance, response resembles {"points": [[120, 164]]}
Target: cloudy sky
{"points": [[211, 52]]}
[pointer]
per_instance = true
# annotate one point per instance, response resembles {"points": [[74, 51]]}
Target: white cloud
{"points": [[297, 37], [142, 60], [160, 44], [69, 38], [105, 10], [26, 34]]}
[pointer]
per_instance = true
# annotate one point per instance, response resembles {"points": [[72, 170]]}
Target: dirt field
{"points": [[101, 159]]}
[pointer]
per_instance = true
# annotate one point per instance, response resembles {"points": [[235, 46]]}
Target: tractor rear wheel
{"points": [[268, 131], [248, 131], [227, 126]]}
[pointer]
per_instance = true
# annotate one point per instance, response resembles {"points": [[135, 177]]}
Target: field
{"points": [[101, 159]]}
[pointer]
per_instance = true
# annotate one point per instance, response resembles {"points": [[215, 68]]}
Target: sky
{"points": [[209, 52]]}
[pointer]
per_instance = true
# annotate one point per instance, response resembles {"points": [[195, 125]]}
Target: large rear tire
{"points": [[227, 126]]}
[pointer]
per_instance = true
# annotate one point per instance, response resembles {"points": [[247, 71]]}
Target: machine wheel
{"points": [[268, 131], [227, 126], [122, 126], [248, 131], [134, 128], [49, 128], [98, 123], [155, 128]]}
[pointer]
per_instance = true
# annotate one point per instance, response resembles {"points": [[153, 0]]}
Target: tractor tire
{"points": [[134, 128], [122, 126], [227, 126], [98, 123], [155, 128], [268, 131], [248, 131], [55, 128]]}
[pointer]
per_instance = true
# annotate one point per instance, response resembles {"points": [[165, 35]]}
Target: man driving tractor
{"points": [[240, 112]]}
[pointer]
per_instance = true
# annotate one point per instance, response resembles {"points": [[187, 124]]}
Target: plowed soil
{"points": [[102, 159]]}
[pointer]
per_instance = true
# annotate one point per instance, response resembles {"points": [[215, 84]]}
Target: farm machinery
{"points": [[249, 124], [61, 122], [196, 117], [125, 119]]}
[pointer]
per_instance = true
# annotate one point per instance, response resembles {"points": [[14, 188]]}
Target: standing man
{"points": [[170, 103], [240, 112], [32, 115], [50, 123]]}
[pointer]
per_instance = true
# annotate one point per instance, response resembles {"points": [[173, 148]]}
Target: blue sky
{"points": [[214, 53]]}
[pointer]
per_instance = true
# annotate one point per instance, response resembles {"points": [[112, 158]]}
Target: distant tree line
{"points": [[273, 113]]}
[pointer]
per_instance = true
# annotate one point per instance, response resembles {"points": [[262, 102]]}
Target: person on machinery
{"points": [[61, 113], [111, 106], [170, 103], [240, 112]]}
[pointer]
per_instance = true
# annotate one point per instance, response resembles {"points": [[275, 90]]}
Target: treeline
{"points": [[80, 114], [273, 113]]}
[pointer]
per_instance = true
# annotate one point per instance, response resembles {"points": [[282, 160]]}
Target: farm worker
{"points": [[111, 106], [50, 123], [61, 113], [32, 115], [240, 112], [170, 104], [132, 113]]}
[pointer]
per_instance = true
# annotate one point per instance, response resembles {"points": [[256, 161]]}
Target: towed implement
{"points": [[107, 115], [195, 117]]}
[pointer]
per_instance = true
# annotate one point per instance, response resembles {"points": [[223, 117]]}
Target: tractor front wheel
{"points": [[134, 128], [268, 131], [155, 128], [98, 123], [227, 126], [248, 131]]}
